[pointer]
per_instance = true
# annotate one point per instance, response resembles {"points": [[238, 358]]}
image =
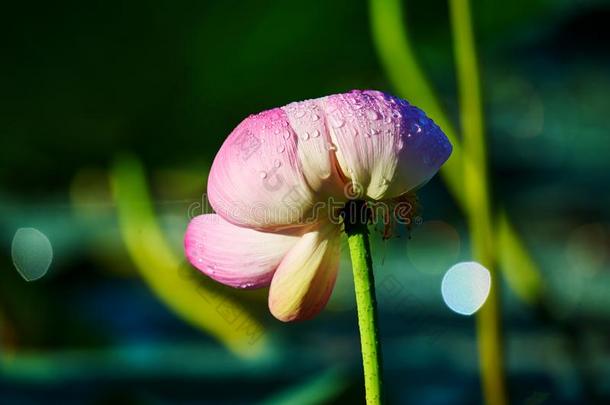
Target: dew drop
{"points": [[414, 128], [263, 175], [286, 134], [281, 148], [315, 133], [277, 163], [299, 113], [305, 136], [372, 115], [374, 131], [336, 122], [315, 117], [331, 146]]}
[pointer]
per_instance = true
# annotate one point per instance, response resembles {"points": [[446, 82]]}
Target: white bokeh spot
{"points": [[465, 287], [32, 253]]}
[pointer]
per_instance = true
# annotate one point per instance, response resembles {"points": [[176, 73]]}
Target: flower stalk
{"points": [[366, 301], [478, 206]]}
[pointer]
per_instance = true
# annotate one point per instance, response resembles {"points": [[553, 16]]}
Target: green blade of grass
{"points": [[398, 59], [200, 301], [521, 273], [396, 53], [478, 207]]}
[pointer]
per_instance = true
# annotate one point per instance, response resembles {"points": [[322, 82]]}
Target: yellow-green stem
{"points": [[477, 200], [364, 284], [397, 56]]}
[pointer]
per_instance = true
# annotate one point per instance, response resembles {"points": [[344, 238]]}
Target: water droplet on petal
{"points": [[286, 134], [331, 146], [277, 163], [305, 136], [374, 131], [281, 148], [372, 115], [414, 127], [300, 114], [315, 117], [315, 133], [336, 122], [263, 175]]}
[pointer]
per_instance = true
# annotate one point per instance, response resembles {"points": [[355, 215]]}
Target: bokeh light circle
{"points": [[32, 253], [465, 287]]}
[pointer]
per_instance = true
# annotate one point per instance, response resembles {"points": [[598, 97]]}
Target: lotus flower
{"points": [[281, 179]]}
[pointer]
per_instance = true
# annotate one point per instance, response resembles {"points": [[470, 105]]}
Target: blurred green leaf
{"points": [[520, 271], [397, 56], [201, 302]]}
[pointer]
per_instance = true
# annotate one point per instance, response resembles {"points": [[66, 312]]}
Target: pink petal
{"points": [[384, 145], [315, 149], [256, 179], [303, 282], [235, 256]]}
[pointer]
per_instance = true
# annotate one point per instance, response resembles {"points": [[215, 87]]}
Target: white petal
{"points": [[305, 278]]}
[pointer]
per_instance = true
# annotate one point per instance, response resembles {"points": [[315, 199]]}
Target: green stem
{"points": [[364, 284], [397, 54], [477, 199]]}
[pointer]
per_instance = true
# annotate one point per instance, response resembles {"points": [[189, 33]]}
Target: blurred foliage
{"points": [[198, 300]]}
